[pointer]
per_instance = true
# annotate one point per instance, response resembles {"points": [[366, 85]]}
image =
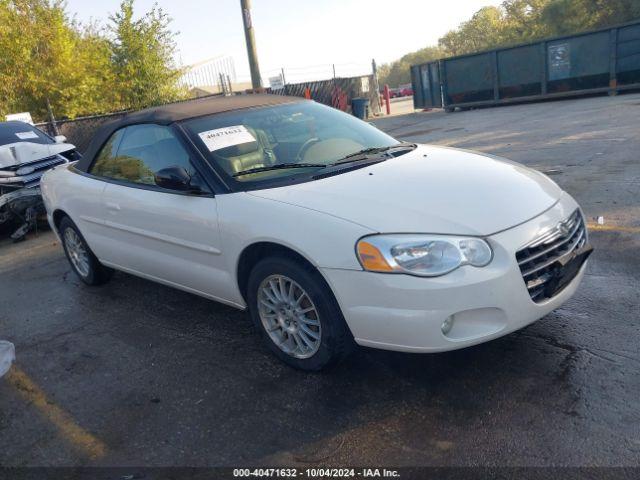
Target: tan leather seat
{"points": [[246, 155]]}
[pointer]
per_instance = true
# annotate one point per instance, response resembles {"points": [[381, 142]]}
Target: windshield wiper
{"points": [[372, 151], [278, 166]]}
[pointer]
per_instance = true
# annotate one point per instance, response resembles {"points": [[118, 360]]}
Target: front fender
{"points": [[324, 240]]}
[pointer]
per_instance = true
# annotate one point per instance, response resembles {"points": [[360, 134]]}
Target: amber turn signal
{"points": [[371, 258]]}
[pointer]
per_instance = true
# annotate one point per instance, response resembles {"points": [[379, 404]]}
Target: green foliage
{"points": [[569, 16], [38, 45], [397, 73], [484, 30], [143, 52], [83, 69], [525, 21], [516, 21]]}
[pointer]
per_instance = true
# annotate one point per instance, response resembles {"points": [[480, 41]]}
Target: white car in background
{"points": [[326, 229], [25, 154]]}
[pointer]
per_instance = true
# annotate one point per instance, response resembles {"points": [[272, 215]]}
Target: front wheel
{"points": [[297, 314]]}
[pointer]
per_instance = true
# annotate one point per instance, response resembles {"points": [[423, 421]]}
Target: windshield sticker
{"points": [[226, 137], [26, 135]]}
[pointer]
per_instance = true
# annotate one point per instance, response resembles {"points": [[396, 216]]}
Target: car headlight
{"points": [[422, 255]]}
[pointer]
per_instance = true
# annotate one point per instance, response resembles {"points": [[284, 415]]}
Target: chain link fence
{"points": [[337, 93], [79, 131]]}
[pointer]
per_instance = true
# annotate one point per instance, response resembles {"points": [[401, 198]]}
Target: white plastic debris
{"points": [[7, 356], [600, 220]]}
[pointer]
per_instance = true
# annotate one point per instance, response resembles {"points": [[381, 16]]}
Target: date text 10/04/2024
{"points": [[316, 473]]}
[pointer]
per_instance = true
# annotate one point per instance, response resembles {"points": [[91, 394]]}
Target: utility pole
{"points": [[223, 88], [251, 44], [284, 83], [376, 85], [52, 119]]}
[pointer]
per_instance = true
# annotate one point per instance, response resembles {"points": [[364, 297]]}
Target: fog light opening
{"points": [[447, 325]]}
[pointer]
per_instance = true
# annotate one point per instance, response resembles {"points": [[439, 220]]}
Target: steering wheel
{"points": [[304, 147]]}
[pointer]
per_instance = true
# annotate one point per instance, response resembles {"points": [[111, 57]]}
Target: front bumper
{"points": [[406, 313]]}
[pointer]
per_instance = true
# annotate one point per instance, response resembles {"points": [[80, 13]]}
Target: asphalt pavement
{"points": [[138, 374]]}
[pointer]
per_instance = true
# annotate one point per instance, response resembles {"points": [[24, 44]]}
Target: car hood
{"points": [[26, 152], [429, 190]]}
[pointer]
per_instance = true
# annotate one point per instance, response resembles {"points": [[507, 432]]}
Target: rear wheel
{"points": [[295, 311], [83, 262]]}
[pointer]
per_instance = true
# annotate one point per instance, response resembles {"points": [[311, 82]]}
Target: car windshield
{"points": [[262, 145], [14, 132]]}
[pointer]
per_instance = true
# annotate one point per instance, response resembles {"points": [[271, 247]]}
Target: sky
{"points": [[305, 37]]}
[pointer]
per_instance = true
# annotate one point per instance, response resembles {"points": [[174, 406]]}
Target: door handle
{"points": [[113, 207]]}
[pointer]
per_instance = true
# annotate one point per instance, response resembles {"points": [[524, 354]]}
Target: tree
{"points": [[143, 51], [483, 31], [91, 82], [524, 21], [397, 73], [570, 16], [83, 69], [37, 54], [514, 22], [14, 46]]}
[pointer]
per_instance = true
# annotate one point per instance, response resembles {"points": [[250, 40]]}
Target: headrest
{"points": [[238, 150]]}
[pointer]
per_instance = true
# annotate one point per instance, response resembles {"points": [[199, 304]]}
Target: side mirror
{"points": [[175, 178], [60, 139]]}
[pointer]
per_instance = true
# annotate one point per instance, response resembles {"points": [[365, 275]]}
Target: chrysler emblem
{"points": [[563, 228]]}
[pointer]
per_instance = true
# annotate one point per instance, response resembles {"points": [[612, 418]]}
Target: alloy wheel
{"points": [[77, 252], [289, 316]]}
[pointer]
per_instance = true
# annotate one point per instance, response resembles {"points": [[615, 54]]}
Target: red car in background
{"points": [[401, 91], [393, 92], [405, 90]]}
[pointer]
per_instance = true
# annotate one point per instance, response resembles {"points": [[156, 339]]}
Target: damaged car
{"points": [[25, 154]]}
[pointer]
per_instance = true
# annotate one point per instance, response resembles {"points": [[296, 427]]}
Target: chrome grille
{"points": [[44, 163], [538, 261], [28, 174]]}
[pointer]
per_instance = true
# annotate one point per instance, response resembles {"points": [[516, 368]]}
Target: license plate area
{"points": [[567, 269]]}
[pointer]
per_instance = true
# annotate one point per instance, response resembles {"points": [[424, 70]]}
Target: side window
{"points": [[104, 160], [143, 150]]}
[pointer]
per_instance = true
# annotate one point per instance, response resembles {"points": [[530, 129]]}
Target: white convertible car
{"points": [[326, 229]]}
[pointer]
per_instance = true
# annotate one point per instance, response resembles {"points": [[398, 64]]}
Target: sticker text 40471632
{"points": [[226, 137]]}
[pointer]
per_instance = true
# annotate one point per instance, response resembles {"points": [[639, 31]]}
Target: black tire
{"points": [[97, 274], [336, 341]]}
